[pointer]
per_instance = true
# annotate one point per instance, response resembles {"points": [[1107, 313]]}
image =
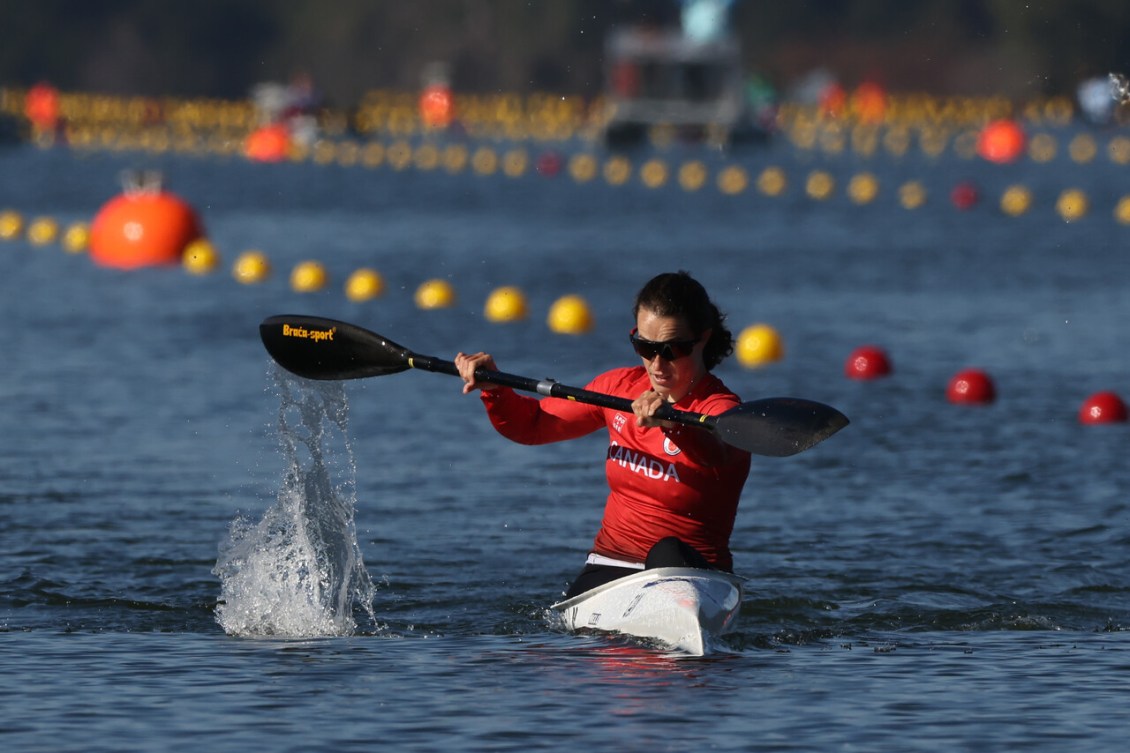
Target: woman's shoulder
{"points": [[713, 391], [623, 380]]}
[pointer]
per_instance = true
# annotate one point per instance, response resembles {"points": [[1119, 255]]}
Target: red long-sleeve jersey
{"points": [[662, 482]]}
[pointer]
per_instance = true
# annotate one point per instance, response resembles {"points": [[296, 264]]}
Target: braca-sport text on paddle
{"points": [[319, 348]]}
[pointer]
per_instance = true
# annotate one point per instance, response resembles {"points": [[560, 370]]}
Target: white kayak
{"points": [[683, 608]]}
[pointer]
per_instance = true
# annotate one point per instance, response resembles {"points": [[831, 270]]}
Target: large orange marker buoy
{"points": [[144, 226]]}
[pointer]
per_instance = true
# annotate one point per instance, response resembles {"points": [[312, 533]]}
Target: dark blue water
{"points": [[173, 510]]}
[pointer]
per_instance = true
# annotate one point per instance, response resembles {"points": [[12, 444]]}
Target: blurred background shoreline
{"points": [[222, 48]]}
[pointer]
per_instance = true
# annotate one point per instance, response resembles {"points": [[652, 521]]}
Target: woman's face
{"points": [[672, 379]]}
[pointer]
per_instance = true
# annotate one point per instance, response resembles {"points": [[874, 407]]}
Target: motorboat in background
{"points": [[685, 82]]}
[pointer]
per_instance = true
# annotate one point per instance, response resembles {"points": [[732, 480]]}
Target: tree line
{"points": [[221, 48]]}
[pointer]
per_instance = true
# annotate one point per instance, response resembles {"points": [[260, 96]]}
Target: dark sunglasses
{"points": [[668, 350]]}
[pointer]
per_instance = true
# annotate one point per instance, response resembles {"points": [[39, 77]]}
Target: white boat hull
{"points": [[680, 607]]}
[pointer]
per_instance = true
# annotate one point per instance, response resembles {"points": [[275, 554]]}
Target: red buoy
{"points": [[971, 386], [142, 228], [1001, 141], [965, 195], [1103, 408], [549, 164], [833, 100], [867, 362]]}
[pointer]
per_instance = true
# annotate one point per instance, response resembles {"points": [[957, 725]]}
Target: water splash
{"points": [[298, 572]]}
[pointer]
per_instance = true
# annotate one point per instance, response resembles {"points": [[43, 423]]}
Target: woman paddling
{"points": [[674, 489]]}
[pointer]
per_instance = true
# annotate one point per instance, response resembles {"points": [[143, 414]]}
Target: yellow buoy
{"points": [[325, 152], [772, 181], [933, 141], [363, 285], [484, 161], [617, 170], [1083, 148], [200, 257], [298, 152], [1016, 200], [654, 173], [515, 162], [896, 141], [732, 180], [692, 175], [373, 154], [863, 188], [76, 238], [399, 155], [912, 194], [505, 304], [251, 267], [759, 344], [427, 157], [455, 158], [42, 231], [819, 185], [1122, 210], [11, 225], [435, 294], [308, 277], [570, 315], [832, 139], [865, 140], [1119, 150], [1072, 205], [1042, 148], [582, 167]]}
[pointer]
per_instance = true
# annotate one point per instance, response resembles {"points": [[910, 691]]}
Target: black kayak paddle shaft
{"points": [[327, 349]]}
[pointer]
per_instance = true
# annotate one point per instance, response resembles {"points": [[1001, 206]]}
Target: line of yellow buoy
{"points": [[211, 126], [536, 116], [569, 314], [44, 231], [691, 175]]}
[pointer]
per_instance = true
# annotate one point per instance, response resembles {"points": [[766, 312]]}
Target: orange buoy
{"points": [[869, 101], [867, 362], [41, 107], [269, 143], [437, 106], [1103, 408], [142, 229], [971, 387], [1001, 141]]}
